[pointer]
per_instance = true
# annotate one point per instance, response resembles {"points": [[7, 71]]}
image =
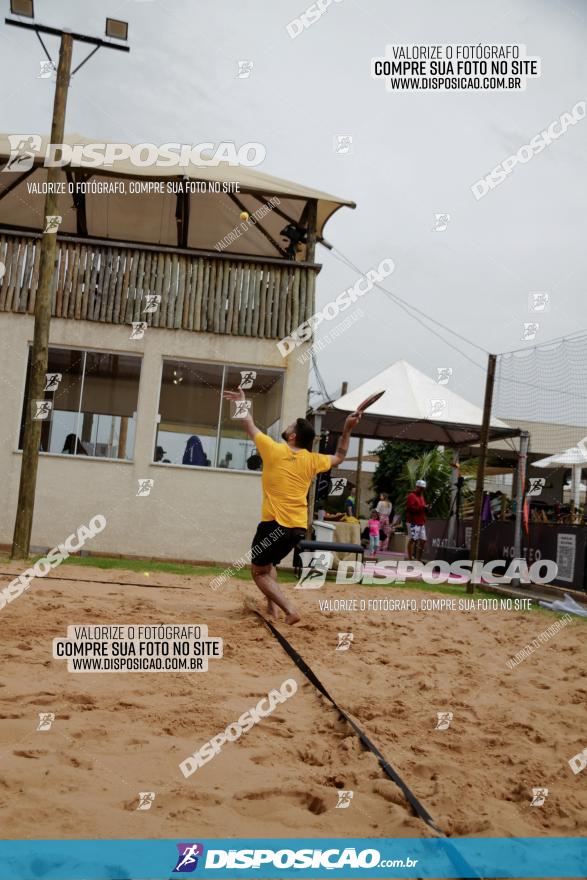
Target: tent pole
{"points": [[520, 487], [576, 484], [483, 439]]}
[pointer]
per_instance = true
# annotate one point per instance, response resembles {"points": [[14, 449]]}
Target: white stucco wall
{"points": [[191, 513]]}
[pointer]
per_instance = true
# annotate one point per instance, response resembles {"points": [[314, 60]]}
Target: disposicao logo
{"points": [[189, 855]]}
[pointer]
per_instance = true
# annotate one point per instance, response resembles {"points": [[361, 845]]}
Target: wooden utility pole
{"points": [[40, 349], [483, 440]]}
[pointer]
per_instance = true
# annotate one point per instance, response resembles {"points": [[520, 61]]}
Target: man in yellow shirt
{"points": [[288, 471]]}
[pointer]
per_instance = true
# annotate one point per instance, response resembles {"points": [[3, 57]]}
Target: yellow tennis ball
{"points": [[146, 573], [244, 215]]}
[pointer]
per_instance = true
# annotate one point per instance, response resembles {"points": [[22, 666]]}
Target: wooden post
{"points": [[268, 236], [453, 538], [358, 477], [40, 350], [483, 439], [311, 221], [312, 492]]}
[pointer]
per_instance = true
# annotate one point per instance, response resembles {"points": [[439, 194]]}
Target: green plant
{"points": [[435, 466], [393, 455]]}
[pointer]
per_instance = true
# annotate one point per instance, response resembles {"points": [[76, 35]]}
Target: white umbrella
{"points": [[575, 458]]}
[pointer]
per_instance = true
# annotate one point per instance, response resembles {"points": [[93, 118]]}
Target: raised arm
{"points": [[248, 423], [343, 444]]}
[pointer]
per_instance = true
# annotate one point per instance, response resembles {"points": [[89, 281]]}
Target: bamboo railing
{"points": [[201, 291]]}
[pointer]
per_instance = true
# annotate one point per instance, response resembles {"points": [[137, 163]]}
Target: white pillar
{"points": [[576, 484]]}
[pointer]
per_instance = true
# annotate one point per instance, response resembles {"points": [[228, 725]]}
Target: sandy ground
{"points": [[120, 733]]}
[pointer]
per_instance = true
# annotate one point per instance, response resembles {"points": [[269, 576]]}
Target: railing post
{"points": [[109, 278]]}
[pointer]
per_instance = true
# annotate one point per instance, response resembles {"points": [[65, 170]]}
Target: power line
{"points": [[409, 306], [321, 382], [558, 341], [413, 311]]}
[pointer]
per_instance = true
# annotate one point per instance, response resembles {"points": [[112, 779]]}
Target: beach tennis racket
{"points": [[369, 401]]}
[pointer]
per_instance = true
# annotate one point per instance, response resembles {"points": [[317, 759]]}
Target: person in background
{"points": [[194, 453], [159, 453], [495, 503], [73, 446], [374, 526], [486, 515], [416, 518], [349, 505], [365, 537], [254, 462], [384, 508]]}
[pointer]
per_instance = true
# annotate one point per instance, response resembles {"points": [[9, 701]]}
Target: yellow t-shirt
{"points": [[287, 477]]}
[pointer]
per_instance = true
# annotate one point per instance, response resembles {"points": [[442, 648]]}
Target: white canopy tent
{"points": [[574, 458], [414, 407]]}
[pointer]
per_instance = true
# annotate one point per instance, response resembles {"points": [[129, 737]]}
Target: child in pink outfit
{"points": [[374, 526]]}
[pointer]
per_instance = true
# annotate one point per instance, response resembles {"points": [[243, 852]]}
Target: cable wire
{"points": [[406, 306]]}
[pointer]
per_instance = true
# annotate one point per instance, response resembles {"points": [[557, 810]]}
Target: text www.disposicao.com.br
{"points": [[134, 664]]}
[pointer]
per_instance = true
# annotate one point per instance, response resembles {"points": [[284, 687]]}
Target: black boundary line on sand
{"points": [[421, 811], [105, 583]]}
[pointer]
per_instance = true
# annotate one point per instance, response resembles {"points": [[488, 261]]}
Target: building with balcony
{"points": [[163, 296]]}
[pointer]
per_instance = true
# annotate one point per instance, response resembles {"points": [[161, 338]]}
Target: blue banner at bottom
{"points": [[287, 857]]}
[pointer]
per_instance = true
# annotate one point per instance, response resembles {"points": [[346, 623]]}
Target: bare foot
{"points": [[272, 609], [292, 618]]}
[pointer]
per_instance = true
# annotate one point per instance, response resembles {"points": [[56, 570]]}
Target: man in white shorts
{"points": [[416, 518]]}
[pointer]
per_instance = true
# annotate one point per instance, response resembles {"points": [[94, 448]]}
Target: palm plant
{"points": [[434, 466]]}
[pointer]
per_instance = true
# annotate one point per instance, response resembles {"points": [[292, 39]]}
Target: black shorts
{"points": [[273, 542]]}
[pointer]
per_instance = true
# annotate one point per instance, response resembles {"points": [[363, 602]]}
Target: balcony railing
{"points": [[202, 291]]}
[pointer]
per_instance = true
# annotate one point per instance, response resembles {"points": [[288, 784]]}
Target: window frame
{"points": [[85, 350], [226, 365]]}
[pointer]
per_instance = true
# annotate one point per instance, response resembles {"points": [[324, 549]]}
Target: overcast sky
{"points": [[414, 154]]}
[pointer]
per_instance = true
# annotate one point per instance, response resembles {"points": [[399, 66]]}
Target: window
{"points": [[196, 426], [188, 408], [94, 397], [235, 448]]}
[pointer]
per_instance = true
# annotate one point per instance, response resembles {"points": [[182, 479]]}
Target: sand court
{"points": [[403, 675]]}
